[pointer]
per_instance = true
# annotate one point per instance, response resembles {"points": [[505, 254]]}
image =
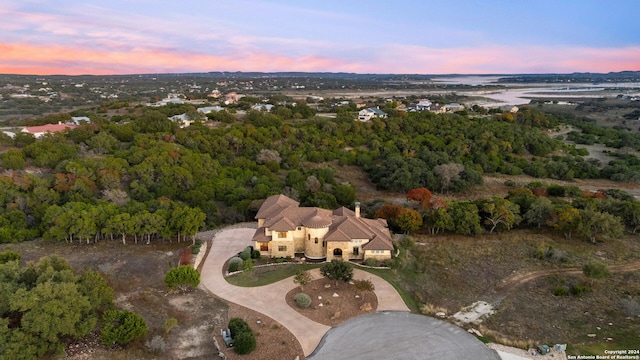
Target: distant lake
{"points": [[519, 94]]}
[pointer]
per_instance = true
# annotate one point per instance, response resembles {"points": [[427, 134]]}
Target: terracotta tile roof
{"points": [[352, 226], [275, 204], [320, 218], [343, 211], [337, 235], [281, 223], [284, 214], [378, 243], [48, 128]]}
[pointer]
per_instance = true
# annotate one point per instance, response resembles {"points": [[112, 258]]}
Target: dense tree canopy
{"points": [[141, 177], [44, 304]]}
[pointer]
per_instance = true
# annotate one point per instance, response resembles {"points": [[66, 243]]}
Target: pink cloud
{"points": [[502, 59], [55, 59], [24, 58]]}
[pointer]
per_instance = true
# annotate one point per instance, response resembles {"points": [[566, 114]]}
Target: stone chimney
{"points": [[357, 208]]}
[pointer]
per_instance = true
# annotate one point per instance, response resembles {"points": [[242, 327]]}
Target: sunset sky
{"points": [[402, 36]]}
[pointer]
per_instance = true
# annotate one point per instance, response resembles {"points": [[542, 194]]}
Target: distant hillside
{"points": [[612, 77]]}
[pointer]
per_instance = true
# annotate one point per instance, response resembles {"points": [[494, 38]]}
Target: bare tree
{"points": [[267, 155], [448, 173], [312, 184]]}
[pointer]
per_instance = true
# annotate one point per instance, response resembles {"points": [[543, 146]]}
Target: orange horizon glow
{"points": [[30, 59]]}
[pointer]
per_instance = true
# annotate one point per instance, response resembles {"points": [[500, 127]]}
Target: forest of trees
{"points": [[567, 210], [140, 177]]}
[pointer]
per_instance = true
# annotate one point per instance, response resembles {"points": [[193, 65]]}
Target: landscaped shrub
{"points": [[371, 262], [303, 300], [255, 254], [244, 343], [247, 265], [182, 276], [246, 253], [235, 263], [237, 326], [186, 257], [195, 248]]}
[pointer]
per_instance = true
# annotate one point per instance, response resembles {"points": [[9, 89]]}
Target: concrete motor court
{"points": [[391, 333]]}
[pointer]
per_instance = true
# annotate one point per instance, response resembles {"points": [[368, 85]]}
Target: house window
{"points": [[316, 241], [324, 243], [356, 250], [309, 237], [282, 248], [264, 247], [282, 234], [299, 228]]}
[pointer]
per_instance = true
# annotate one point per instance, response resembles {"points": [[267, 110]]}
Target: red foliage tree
{"points": [[421, 195], [388, 211]]}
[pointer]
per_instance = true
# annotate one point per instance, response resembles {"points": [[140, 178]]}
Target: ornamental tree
{"points": [[337, 270]]}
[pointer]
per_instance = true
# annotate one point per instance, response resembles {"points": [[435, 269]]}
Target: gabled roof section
{"points": [[48, 128], [337, 235], [353, 227], [343, 211], [275, 204], [260, 236], [377, 111], [378, 243], [280, 223]]}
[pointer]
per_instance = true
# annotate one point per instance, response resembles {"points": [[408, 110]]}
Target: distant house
{"points": [[370, 113], [262, 107], [437, 109], [423, 105], [77, 120], [170, 99], [232, 98], [182, 120], [286, 229], [39, 131], [453, 107], [209, 109]]}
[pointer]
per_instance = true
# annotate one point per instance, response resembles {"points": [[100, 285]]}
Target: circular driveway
{"points": [[400, 335]]}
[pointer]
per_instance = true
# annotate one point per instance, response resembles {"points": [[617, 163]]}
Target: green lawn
{"points": [[260, 276], [390, 277]]}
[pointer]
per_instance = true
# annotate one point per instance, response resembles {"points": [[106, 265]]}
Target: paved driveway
{"points": [[269, 299], [400, 335], [369, 334]]}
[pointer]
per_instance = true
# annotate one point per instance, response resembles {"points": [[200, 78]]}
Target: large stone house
{"points": [[286, 229]]}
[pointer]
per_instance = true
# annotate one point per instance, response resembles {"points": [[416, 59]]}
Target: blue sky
{"points": [[428, 37]]}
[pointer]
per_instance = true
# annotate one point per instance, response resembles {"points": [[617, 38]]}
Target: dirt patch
{"points": [[331, 310], [474, 313]]}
